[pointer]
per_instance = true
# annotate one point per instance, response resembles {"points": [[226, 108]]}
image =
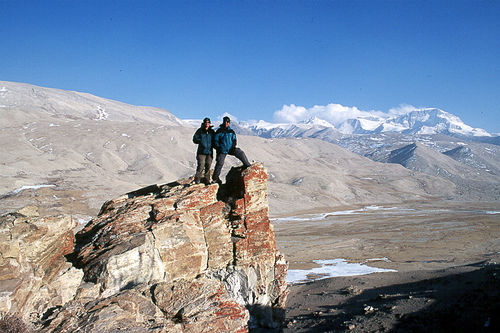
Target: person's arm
{"points": [[197, 137], [217, 140], [212, 138], [234, 140]]}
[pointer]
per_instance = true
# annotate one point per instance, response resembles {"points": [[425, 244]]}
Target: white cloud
{"points": [[402, 109], [291, 114], [334, 113]]}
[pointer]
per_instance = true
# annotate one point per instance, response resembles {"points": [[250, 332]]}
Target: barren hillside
{"points": [[61, 156]]}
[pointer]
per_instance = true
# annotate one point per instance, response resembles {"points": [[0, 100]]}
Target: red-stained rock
{"points": [[177, 257], [254, 279], [198, 198], [188, 301], [217, 231]]}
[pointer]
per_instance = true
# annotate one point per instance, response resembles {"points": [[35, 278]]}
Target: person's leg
{"points": [[240, 154], [200, 158], [219, 163], [208, 163]]}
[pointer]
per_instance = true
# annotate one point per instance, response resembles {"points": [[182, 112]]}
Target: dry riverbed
{"points": [[439, 263]]}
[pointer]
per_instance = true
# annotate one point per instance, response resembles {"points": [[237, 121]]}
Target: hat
{"points": [[206, 120], [226, 119]]}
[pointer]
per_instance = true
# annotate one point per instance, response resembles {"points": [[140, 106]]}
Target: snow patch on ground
{"points": [[101, 113], [332, 268], [322, 216], [3, 93], [378, 259], [308, 217], [82, 222], [30, 187]]}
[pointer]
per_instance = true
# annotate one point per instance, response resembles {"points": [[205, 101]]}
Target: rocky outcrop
{"points": [[34, 273], [175, 257]]}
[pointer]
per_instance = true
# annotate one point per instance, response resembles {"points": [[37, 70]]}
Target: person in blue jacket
{"points": [[204, 137], [225, 143]]}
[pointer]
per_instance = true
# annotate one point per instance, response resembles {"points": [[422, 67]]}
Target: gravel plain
{"points": [[445, 255]]}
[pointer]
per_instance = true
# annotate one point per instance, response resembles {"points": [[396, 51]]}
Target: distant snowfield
{"points": [[334, 268]]}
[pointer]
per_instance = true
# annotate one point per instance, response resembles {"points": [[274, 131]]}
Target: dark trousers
{"points": [[204, 162], [219, 161]]}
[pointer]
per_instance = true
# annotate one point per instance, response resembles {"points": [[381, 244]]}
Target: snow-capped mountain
{"points": [[431, 121], [420, 121], [362, 125], [308, 128]]}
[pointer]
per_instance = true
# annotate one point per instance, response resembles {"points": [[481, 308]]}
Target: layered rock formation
{"points": [[176, 257], [34, 274]]}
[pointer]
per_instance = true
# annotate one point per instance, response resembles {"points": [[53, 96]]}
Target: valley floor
{"points": [[458, 299], [443, 259]]}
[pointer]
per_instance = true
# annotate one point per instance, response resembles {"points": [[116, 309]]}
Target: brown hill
{"points": [[59, 155]]}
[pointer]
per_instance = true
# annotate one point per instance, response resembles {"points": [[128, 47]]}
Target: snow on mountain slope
{"points": [[315, 121], [433, 121], [362, 126], [419, 121], [309, 128], [416, 140], [479, 157], [457, 165]]}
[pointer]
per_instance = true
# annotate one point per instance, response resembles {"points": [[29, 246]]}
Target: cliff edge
{"points": [[174, 257]]}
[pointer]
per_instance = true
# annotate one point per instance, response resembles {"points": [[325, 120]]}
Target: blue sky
{"points": [[250, 58]]}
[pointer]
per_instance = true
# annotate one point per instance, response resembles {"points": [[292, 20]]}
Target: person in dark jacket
{"points": [[204, 137], [225, 143]]}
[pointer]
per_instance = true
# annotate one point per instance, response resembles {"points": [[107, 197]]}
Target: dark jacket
{"points": [[204, 139], [224, 140]]}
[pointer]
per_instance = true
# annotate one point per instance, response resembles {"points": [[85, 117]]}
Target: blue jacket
{"points": [[224, 140], [204, 139]]}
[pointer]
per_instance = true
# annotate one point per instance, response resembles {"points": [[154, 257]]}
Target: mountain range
{"points": [[429, 141], [67, 151], [420, 121]]}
